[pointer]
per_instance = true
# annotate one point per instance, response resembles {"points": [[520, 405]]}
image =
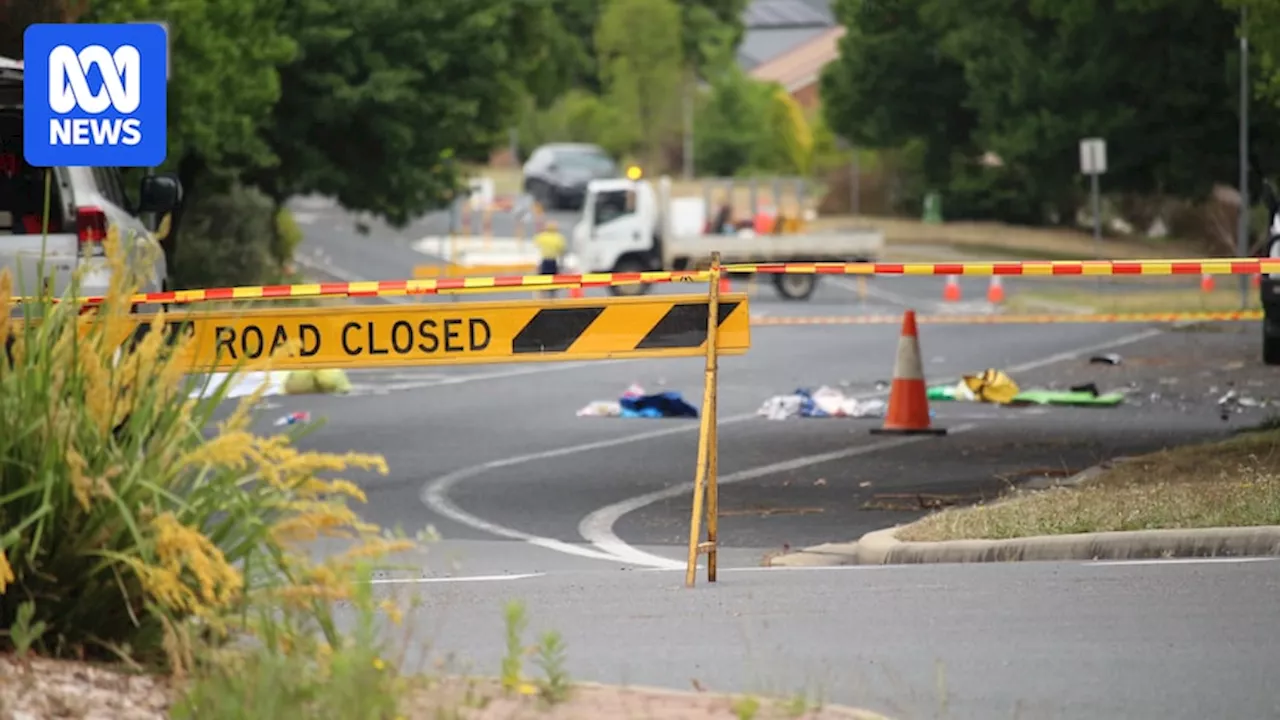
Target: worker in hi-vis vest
{"points": [[551, 247]]}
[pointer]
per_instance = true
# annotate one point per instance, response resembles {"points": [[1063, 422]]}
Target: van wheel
{"points": [[795, 286], [636, 290], [1271, 341]]}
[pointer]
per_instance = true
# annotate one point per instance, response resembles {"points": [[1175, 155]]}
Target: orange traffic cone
{"points": [[908, 412], [726, 287], [576, 292], [1206, 283], [995, 291], [951, 291]]}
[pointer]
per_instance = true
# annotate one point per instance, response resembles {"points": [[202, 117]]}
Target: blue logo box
{"points": [[95, 95]]}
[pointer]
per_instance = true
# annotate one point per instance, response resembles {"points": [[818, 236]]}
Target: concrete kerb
{"points": [[882, 547]]}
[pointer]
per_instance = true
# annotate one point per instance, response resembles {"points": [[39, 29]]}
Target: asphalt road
{"points": [[1032, 641], [494, 458]]}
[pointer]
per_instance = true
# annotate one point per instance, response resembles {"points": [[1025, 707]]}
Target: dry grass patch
{"points": [[46, 688], [1225, 298], [1011, 242], [484, 699], [1232, 483]]}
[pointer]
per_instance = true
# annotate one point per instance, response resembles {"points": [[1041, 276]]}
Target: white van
{"points": [[84, 202]]}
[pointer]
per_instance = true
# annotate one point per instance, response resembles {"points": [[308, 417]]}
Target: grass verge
{"points": [[1230, 483], [1225, 298]]}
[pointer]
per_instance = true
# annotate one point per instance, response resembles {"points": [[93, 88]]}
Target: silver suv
{"points": [[84, 203]]}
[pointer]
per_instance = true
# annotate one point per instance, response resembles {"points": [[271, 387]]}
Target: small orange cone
{"points": [[908, 412], [725, 286], [1207, 283], [576, 292], [951, 291], [995, 291]]}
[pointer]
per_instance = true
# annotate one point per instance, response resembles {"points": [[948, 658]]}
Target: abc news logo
{"points": [[69, 93]]}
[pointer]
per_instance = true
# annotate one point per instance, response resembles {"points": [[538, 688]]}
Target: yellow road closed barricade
{"points": [[465, 333]]}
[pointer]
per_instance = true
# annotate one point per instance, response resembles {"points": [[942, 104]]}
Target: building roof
{"points": [[761, 14], [801, 65], [775, 27], [761, 46]]}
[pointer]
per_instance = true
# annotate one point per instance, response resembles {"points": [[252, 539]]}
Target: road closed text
{"points": [[341, 340], [360, 336]]}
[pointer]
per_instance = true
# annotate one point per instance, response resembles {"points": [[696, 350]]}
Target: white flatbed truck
{"points": [[631, 226]]}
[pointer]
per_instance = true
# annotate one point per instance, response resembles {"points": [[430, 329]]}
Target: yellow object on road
{"points": [[993, 386]]}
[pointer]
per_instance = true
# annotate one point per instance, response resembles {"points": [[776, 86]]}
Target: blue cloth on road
{"points": [[659, 405]]}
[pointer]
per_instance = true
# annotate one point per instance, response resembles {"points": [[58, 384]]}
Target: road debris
{"points": [[636, 403], [242, 385], [309, 382], [825, 402], [294, 418], [1106, 359], [911, 502], [995, 386]]}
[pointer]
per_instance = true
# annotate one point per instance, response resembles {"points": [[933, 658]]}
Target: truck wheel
{"points": [[795, 286], [636, 290], [1271, 341]]}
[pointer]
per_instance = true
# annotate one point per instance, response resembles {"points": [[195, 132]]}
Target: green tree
{"points": [[566, 61], [224, 55], [1263, 31], [891, 85], [384, 95], [577, 116], [224, 79], [18, 14], [731, 132], [1044, 74], [638, 44], [708, 25]]}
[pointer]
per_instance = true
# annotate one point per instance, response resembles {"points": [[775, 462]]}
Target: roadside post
{"points": [[705, 486], [1093, 162]]}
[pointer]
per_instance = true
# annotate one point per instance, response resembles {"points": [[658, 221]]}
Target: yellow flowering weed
{"points": [[121, 518]]}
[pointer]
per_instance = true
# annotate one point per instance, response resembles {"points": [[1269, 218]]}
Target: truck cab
{"points": [[635, 225], [619, 230]]}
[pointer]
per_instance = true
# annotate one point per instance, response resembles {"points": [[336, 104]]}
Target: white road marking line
{"points": [[436, 493], [597, 528], [786, 568], [464, 578], [1179, 561]]}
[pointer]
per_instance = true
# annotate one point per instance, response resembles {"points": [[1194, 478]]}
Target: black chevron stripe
{"points": [[684, 326], [554, 329]]}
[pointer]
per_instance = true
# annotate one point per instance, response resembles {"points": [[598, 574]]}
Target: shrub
{"points": [[226, 239], [286, 238], [126, 525]]}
